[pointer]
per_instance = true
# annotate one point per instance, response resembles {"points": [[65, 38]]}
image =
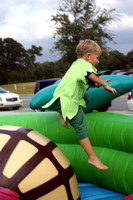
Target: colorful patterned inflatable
{"points": [[34, 167]]}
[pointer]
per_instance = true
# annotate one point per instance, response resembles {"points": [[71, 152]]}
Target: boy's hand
{"points": [[109, 89], [99, 82], [98, 85], [107, 80]]}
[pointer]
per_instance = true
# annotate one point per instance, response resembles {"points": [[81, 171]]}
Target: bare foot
{"points": [[63, 122], [97, 163]]}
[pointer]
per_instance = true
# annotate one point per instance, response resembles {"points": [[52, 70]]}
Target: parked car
{"points": [[115, 72], [130, 100], [9, 100], [40, 84], [104, 107], [105, 72], [125, 73]]}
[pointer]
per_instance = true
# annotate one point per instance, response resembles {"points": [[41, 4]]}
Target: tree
{"points": [[13, 55], [113, 60], [17, 63], [79, 19], [47, 70], [32, 53], [130, 59]]}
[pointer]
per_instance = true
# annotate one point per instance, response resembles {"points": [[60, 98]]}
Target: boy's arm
{"points": [[98, 85], [99, 81]]}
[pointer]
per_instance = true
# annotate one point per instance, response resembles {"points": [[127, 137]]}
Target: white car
{"points": [[130, 101], [9, 100]]}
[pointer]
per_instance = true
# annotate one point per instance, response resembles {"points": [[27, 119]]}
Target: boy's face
{"points": [[93, 58]]}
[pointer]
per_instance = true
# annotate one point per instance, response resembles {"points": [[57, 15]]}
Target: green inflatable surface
{"points": [[111, 135]]}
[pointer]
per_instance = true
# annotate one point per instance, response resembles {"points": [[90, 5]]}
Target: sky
{"points": [[28, 22]]}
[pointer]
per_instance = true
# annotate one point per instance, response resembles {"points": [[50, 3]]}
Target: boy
{"points": [[69, 96]]}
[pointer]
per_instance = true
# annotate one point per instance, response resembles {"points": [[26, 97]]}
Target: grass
{"points": [[20, 88]]}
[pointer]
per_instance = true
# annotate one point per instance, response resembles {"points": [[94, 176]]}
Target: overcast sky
{"points": [[28, 22]]}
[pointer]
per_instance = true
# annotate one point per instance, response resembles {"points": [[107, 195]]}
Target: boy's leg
{"points": [[93, 159], [58, 109], [79, 123], [63, 122]]}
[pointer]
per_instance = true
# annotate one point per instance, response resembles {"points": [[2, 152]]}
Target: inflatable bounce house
{"points": [[42, 160]]}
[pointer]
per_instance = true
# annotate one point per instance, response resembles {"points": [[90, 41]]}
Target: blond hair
{"points": [[87, 46]]}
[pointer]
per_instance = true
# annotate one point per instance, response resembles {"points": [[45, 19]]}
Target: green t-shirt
{"points": [[72, 88]]}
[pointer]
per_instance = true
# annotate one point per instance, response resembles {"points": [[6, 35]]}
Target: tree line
{"points": [[75, 20]]}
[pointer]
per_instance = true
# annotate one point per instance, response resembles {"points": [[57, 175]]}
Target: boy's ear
{"points": [[87, 55]]}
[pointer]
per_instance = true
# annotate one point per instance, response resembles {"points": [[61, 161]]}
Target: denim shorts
{"points": [[78, 122]]}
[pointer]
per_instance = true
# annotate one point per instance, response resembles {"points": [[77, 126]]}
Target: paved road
{"points": [[118, 105], [25, 108]]}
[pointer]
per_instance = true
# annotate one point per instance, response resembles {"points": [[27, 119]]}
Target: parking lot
{"points": [[119, 105]]}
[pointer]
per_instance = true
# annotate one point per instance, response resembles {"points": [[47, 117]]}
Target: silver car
{"points": [[9, 100]]}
